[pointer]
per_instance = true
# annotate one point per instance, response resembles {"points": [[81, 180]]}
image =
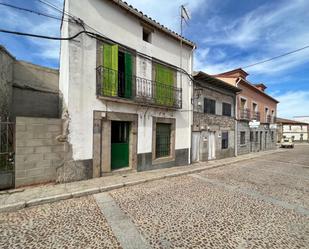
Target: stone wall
{"points": [[38, 154], [261, 138], [6, 79]]}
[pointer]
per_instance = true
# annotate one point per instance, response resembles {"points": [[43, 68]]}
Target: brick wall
{"points": [[38, 154]]}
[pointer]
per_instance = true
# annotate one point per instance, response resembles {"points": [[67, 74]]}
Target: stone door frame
{"points": [[102, 140]]}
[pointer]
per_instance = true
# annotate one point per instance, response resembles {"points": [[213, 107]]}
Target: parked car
{"points": [[287, 143]]}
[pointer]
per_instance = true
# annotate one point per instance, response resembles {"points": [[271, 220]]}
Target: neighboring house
{"points": [[213, 130], [26, 89], [128, 103], [304, 119], [256, 113], [297, 131]]}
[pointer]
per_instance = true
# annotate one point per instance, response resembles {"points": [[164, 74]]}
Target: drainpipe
{"points": [[236, 128], [190, 112]]}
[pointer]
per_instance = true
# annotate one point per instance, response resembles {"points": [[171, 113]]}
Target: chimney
{"points": [[261, 87]]}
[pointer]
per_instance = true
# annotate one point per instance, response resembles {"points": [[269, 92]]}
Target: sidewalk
{"points": [[25, 197]]}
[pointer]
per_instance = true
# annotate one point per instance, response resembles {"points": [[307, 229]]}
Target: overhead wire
{"points": [[33, 12]]}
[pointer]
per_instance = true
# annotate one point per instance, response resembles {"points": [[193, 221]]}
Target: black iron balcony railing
{"points": [[256, 116], [244, 114], [270, 119], [116, 84]]}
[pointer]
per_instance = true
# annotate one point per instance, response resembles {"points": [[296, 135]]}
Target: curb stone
{"points": [[81, 193]]}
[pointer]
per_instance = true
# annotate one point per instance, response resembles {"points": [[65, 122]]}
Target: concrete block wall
{"points": [[38, 154]]}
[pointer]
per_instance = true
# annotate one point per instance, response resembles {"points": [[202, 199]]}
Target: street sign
{"points": [[273, 126], [254, 124]]}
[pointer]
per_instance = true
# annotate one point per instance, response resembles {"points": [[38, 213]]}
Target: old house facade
{"points": [[255, 113], [125, 91], [296, 130], [213, 130]]}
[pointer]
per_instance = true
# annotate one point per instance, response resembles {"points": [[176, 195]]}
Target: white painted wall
{"points": [[296, 131], [78, 75]]}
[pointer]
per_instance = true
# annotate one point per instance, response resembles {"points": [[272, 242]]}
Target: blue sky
{"points": [[229, 34]]}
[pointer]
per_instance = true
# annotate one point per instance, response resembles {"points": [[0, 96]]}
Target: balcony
{"points": [[116, 85], [270, 119], [244, 114], [256, 116]]}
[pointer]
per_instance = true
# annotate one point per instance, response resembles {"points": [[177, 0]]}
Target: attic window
{"points": [[146, 35]]}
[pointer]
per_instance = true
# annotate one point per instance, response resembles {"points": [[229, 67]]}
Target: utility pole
{"points": [[184, 16]]}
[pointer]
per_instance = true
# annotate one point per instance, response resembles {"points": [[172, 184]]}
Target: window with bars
{"points": [[209, 106], [256, 136], [163, 140], [251, 136], [226, 109], [225, 140], [242, 137]]}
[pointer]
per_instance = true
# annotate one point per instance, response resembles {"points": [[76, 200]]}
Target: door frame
{"points": [[212, 137], [102, 140]]}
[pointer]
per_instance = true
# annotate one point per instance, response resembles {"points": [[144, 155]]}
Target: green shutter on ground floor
{"points": [[110, 70]]}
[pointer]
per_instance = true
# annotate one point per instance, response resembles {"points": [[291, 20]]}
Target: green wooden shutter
{"points": [[128, 75], [164, 87], [110, 71]]}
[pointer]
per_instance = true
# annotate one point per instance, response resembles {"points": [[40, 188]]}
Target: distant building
{"points": [[297, 131], [255, 113], [304, 119], [213, 130]]}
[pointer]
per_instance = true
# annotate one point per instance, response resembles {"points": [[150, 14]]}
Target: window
{"points": [[272, 136], [209, 106], [251, 136], [242, 137], [301, 137], [146, 35], [226, 109], [116, 73], [225, 140], [290, 127], [163, 140], [256, 136], [301, 127], [254, 107]]}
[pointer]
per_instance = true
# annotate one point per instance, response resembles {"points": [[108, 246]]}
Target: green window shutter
{"points": [[110, 71], [164, 85], [128, 75]]}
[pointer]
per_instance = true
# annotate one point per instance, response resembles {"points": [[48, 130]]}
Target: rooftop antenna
{"points": [[184, 17]]}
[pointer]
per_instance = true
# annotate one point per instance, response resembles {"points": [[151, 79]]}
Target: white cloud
{"points": [[265, 32], [293, 103]]}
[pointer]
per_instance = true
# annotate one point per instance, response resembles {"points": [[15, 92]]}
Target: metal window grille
{"points": [[163, 140], [7, 148], [242, 137], [225, 140]]}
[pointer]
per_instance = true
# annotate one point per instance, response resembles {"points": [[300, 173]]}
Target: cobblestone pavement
{"points": [[75, 223], [188, 212], [261, 203]]}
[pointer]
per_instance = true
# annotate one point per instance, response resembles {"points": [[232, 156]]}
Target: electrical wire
{"points": [[276, 57], [55, 7], [33, 11]]}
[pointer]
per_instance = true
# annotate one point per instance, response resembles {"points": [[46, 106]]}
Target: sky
{"points": [[229, 34]]}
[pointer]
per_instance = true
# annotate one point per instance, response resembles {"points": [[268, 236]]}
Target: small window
{"points": [[226, 109], [146, 35], [242, 137], [272, 136], [225, 140], [209, 106], [163, 140]]}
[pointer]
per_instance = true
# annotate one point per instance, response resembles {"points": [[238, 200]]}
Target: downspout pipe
{"points": [[235, 122]]}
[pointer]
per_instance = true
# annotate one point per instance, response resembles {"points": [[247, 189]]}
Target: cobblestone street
{"points": [[258, 203]]}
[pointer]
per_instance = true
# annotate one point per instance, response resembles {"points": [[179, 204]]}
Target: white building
{"points": [[128, 102], [297, 131]]}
